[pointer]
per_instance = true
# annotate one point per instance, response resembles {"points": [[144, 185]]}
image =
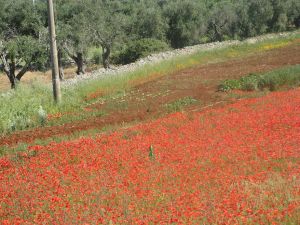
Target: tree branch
{"points": [[69, 53], [23, 71], [99, 36], [5, 63]]}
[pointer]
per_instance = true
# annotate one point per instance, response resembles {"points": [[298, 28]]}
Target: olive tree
{"points": [[222, 19], [107, 25], [294, 13], [22, 45], [254, 17], [73, 36], [186, 22], [147, 21]]}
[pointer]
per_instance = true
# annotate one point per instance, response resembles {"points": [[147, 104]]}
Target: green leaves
{"points": [[185, 20], [27, 50], [139, 49], [270, 80]]}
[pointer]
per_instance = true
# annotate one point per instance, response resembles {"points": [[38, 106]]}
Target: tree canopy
{"points": [[115, 25]]}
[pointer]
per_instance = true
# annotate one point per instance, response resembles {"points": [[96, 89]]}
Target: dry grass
{"points": [[31, 76]]}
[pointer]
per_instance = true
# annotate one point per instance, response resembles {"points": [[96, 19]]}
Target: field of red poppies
{"points": [[238, 164]]}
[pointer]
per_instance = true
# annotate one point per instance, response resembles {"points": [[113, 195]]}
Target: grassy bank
{"points": [[30, 105]]}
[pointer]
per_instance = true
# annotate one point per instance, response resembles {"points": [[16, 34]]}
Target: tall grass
{"points": [[20, 108]]}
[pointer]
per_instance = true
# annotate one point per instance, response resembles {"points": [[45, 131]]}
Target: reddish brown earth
{"points": [[148, 100]]}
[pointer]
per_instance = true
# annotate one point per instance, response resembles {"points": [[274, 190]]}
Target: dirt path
{"points": [[148, 101]]}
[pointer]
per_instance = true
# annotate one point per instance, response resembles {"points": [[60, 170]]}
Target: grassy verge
{"points": [[272, 81], [20, 109]]}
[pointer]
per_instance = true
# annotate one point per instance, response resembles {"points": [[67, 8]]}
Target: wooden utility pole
{"points": [[54, 58]]}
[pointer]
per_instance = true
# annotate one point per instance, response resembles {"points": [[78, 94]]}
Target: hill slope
{"points": [[233, 165]]}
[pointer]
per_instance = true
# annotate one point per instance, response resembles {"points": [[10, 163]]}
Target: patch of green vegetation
{"points": [[228, 85], [179, 104], [139, 49], [19, 108], [272, 81], [4, 150], [95, 55]]}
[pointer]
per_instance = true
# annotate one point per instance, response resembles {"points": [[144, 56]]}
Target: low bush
{"points": [[250, 82], [139, 49], [228, 85], [179, 104]]}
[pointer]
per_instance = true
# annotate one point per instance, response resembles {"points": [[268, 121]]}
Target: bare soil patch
{"points": [[147, 101]]}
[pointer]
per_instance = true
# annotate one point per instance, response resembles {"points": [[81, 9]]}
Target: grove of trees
{"points": [[114, 26]]}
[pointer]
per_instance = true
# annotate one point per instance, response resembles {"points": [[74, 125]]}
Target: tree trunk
{"points": [[78, 59], [218, 36], [105, 56], [13, 81], [12, 78], [60, 65], [12, 71], [80, 64], [61, 74], [22, 72], [9, 70]]}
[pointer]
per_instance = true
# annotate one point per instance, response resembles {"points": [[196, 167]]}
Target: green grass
{"points": [[19, 108], [272, 81]]}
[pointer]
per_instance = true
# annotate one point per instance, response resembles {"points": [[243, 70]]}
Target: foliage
{"points": [[222, 21], [179, 104], [285, 77], [228, 85], [185, 22], [22, 43], [147, 21], [96, 56], [113, 25], [107, 27], [27, 50], [289, 76], [73, 34], [139, 49]]}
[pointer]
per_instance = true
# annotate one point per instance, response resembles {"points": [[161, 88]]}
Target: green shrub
{"points": [[288, 76], [250, 82], [273, 81], [139, 49], [228, 85], [179, 104]]}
